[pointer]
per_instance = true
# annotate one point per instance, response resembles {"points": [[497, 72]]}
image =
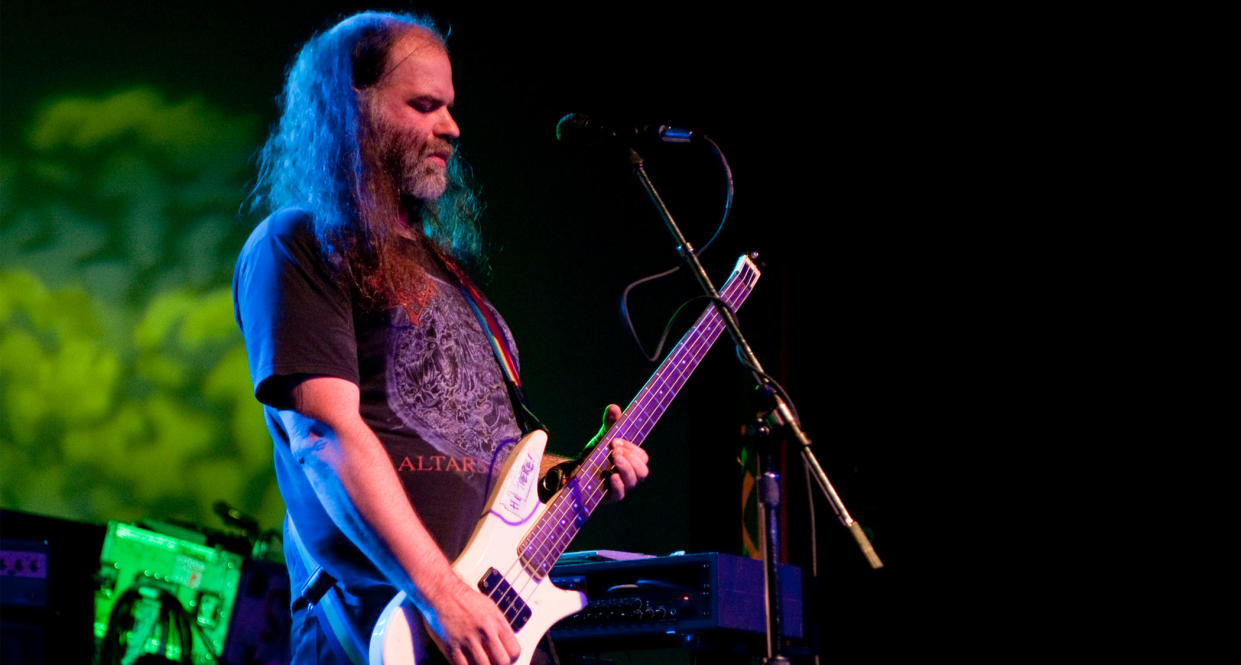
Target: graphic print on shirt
{"points": [[444, 384]]}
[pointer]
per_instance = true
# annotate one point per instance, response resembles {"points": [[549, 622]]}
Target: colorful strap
{"points": [[491, 327], [499, 345]]}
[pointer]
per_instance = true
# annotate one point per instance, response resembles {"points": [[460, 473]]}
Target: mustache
{"points": [[439, 147]]}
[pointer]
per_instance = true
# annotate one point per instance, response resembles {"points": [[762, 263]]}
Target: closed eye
{"points": [[426, 104]]}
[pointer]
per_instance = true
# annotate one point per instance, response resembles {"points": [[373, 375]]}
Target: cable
{"points": [[814, 545], [765, 378], [728, 206], [728, 195], [663, 337], [171, 619]]}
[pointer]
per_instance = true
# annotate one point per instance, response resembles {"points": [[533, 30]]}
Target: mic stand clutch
{"points": [[769, 488]]}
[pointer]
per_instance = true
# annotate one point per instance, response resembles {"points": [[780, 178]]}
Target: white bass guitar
{"points": [[519, 538]]}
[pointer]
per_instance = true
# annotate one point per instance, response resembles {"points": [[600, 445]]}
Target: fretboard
{"points": [[569, 508]]}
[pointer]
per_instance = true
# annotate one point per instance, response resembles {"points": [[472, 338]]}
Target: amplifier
{"points": [[662, 600], [23, 567], [47, 566]]}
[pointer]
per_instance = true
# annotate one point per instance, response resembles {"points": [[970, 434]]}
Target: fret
{"points": [[568, 510]]}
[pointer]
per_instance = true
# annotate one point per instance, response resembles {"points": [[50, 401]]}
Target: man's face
{"points": [[408, 110]]}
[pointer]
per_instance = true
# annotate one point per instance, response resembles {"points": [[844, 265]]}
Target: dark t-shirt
{"points": [[431, 390]]}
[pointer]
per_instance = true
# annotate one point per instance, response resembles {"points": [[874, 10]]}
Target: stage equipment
{"points": [[163, 595], [23, 566], [47, 567], [669, 600], [581, 129]]}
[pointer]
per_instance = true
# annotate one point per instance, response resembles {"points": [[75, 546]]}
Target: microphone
{"points": [[581, 129]]}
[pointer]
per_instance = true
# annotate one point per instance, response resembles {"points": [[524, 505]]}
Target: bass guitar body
{"points": [[533, 603]]}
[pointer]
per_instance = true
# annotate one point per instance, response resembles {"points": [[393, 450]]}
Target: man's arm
{"points": [[354, 479]]}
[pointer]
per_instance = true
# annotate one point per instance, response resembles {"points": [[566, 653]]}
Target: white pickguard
{"points": [[513, 507]]}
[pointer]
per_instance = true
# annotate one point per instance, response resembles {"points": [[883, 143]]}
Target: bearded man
{"points": [[387, 381]]}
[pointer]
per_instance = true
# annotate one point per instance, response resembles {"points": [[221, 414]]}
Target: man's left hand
{"points": [[630, 460]]}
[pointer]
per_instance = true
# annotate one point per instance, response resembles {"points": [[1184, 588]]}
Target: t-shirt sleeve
{"points": [[295, 317]]}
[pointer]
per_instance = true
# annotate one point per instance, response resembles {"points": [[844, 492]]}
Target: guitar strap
{"points": [[321, 594], [505, 358]]}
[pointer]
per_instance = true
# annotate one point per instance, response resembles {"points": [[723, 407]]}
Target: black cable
{"points": [[728, 195], [629, 320], [766, 379], [120, 622], [663, 337], [728, 206], [172, 619], [814, 548]]}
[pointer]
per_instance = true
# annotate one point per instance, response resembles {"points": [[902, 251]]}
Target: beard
{"points": [[407, 159]]}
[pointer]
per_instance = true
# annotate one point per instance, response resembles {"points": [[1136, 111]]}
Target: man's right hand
{"points": [[468, 627], [358, 487]]}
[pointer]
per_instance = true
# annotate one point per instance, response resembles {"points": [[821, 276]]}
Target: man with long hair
{"points": [[388, 382]]}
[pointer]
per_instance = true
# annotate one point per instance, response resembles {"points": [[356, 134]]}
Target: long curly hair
{"points": [[321, 158]]}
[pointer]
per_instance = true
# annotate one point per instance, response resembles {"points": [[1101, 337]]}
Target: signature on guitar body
{"points": [[518, 539]]}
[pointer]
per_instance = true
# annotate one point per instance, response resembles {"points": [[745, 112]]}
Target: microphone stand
{"points": [[780, 415]]}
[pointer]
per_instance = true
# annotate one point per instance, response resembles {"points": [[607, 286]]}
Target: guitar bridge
{"points": [[494, 586]]}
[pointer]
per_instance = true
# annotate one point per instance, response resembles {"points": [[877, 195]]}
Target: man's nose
{"points": [[446, 127]]}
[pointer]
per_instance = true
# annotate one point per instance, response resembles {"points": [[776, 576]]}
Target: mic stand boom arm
{"points": [[780, 409]]}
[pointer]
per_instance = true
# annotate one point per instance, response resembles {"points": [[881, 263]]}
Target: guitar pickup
{"points": [[520, 620], [495, 587], [490, 581]]}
